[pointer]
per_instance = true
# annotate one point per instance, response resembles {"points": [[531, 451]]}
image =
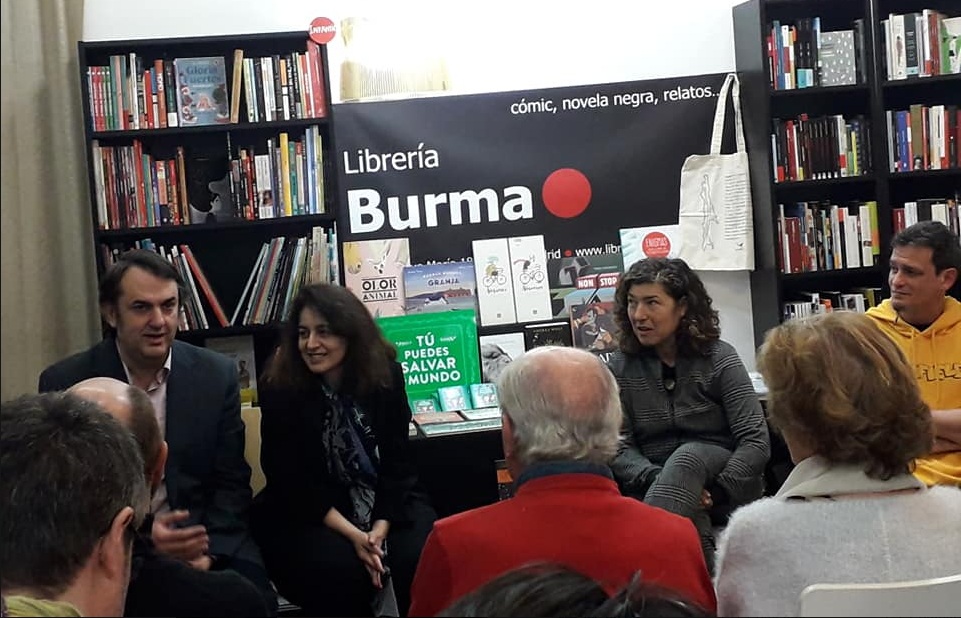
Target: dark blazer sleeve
{"points": [[297, 483], [397, 474]]}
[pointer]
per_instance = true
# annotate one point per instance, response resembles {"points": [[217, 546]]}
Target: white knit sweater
{"points": [[776, 547]]}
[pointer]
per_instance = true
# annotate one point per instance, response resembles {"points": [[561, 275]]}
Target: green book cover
{"points": [[435, 349]]}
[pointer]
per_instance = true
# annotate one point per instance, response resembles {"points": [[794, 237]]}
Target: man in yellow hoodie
{"points": [[926, 324]]}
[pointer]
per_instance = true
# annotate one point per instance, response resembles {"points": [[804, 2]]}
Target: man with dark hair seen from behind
{"points": [[561, 416], [72, 493], [925, 322], [161, 585], [202, 505]]}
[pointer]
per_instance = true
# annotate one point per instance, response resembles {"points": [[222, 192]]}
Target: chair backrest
{"points": [[251, 418], [925, 597]]}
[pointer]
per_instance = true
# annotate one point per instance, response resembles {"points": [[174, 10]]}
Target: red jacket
{"points": [[580, 520]]}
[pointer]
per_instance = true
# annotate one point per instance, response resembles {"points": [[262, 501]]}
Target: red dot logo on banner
{"points": [[656, 245], [322, 30], [566, 193]]}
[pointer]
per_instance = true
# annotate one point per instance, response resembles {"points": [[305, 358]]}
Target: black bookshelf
{"points": [[227, 250], [871, 97]]}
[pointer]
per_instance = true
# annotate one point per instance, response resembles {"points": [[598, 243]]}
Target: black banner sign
{"points": [[575, 164]]}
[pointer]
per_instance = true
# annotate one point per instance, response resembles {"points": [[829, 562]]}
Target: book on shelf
{"points": [[923, 137], [920, 44], [240, 349], [284, 86], [201, 91], [208, 189], [820, 148], [803, 55], [281, 268], [201, 279]]}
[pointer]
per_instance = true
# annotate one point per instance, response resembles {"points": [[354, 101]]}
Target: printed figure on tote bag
{"points": [[709, 212]]}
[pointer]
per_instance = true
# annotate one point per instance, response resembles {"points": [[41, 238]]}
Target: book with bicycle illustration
{"points": [[532, 290], [495, 290]]}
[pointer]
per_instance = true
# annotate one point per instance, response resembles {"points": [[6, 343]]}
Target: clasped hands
{"points": [[371, 550], [189, 543]]}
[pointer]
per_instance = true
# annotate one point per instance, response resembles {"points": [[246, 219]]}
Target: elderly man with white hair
{"points": [[561, 419]]}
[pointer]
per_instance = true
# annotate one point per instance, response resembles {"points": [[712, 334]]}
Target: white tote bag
{"points": [[717, 227]]}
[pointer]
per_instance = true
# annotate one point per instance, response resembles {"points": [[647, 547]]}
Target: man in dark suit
{"points": [[202, 504], [561, 417], [159, 584]]}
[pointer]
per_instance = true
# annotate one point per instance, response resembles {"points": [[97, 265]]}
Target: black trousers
{"points": [[318, 569]]}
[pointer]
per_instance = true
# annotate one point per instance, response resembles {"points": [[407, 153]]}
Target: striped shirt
{"points": [[713, 401]]}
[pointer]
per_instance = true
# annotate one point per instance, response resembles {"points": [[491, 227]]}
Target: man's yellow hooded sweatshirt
{"points": [[935, 354]]}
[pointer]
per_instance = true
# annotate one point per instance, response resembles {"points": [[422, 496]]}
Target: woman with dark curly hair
{"points": [[342, 520], [694, 432], [850, 410]]}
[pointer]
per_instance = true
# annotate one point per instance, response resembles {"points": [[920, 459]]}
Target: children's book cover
{"points": [[202, 91], [431, 288], [374, 273]]}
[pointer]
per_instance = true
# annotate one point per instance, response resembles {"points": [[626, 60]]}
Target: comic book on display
{"points": [[374, 272], [565, 272], [591, 311]]}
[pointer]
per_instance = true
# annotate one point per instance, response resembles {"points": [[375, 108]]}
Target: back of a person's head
{"points": [[67, 469], [537, 590], [132, 407], [643, 599], [844, 389], [563, 404]]}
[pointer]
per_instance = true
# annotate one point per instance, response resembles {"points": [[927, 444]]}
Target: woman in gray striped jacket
{"points": [[694, 434]]}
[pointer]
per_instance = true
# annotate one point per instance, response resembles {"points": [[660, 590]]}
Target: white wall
{"points": [[499, 45]]}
